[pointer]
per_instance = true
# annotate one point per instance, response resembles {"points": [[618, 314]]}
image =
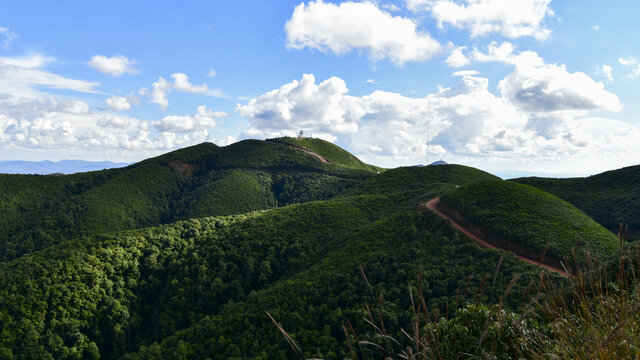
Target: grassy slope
{"points": [[201, 180], [203, 285], [610, 198], [530, 217], [334, 154]]}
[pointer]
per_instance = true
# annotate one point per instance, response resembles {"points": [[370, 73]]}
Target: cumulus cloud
{"points": [[162, 88], [302, 105], [552, 88], [358, 26], [381, 124], [121, 122], [39, 125], [118, 103], [466, 122], [536, 86], [457, 58], [6, 37], [203, 119], [159, 93], [631, 62], [181, 83], [512, 19], [114, 66]]}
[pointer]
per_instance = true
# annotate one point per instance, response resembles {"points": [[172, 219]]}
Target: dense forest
{"points": [[278, 249]]}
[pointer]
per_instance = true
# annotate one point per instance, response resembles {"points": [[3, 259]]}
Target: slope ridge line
{"points": [[434, 204]]}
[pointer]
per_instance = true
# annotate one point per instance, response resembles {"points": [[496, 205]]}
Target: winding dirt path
{"points": [[433, 205]]}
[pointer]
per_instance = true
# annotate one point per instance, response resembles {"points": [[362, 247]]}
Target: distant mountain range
{"points": [[53, 167]]}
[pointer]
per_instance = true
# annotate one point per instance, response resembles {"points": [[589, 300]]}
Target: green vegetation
{"points": [[610, 198], [263, 227], [332, 153], [200, 288], [592, 316], [204, 180], [530, 218], [410, 178]]}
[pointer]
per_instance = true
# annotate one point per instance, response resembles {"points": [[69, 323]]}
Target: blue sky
{"points": [[509, 86]]}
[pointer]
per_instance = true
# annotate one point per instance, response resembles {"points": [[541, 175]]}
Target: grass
{"points": [[329, 151], [536, 221]]}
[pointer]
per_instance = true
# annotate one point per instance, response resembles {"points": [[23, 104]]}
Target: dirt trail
{"points": [[433, 205], [317, 156]]}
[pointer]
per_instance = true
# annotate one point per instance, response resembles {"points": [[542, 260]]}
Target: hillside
{"points": [[202, 180], [288, 227], [525, 220], [610, 198], [200, 288]]}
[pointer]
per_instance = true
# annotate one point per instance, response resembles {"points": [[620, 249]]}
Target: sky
{"points": [[509, 86]]}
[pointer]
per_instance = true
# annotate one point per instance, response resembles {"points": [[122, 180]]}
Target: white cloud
{"points": [[360, 26], [628, 61], [118, 103], [390, 7], [457, 58], [371, 81], [417, 5], [6, 37], [536, 87], [159, 93], [204, 119], [632, 62], [607, 71], [212, 73], [466, 123], [595, 27], [114, 66], [510, 18], [551, 87], [181, 83], [303, 105], [466, 73], [121, 122], [22, 76], [35, 127]]}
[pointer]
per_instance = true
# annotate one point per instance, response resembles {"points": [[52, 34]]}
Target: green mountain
{"points": [[182, 256], [527, 220], [203, 180], [610, 198], [201, 287]]}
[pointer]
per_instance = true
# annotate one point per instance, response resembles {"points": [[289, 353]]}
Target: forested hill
{"points": [[203, 180], [610, 198], [288, 227], [199, 288]]}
